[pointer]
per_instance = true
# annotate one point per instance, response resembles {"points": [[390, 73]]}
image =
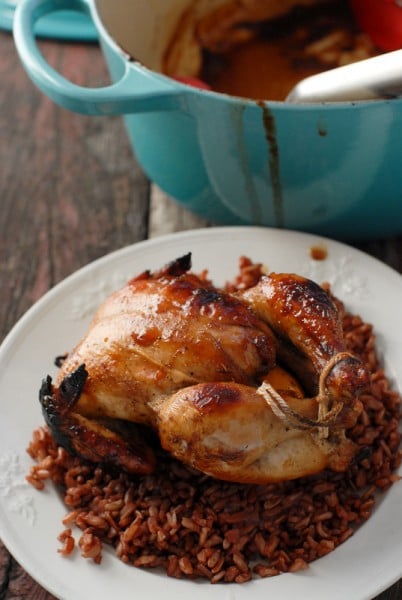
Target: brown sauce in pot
{"points": [[258, 69], [286, 50]]}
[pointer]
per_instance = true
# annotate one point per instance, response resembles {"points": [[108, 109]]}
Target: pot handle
{"points": [[136, 91]]}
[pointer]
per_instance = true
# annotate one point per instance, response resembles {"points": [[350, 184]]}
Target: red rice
{"points": [[193, 526]]}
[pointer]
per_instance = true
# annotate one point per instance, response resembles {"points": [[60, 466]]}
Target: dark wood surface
{"points": [[70, 191]]}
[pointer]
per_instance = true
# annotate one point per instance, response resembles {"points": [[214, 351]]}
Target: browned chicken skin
{"points": [[227, 430], [171, 352], [308, 330]]}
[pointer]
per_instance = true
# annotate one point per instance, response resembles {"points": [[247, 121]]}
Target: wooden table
{"points": [[70, 191]]}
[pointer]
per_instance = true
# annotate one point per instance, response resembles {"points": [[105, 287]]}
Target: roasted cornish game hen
{"points": [[253, 386]]}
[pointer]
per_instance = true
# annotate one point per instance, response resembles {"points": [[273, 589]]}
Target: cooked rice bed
{"points": [[194, 526]]}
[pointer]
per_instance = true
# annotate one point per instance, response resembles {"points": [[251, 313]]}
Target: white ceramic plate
{"points": [[30, 521]]}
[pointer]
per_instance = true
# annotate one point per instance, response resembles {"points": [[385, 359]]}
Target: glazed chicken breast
{"points": [[171, 353]]}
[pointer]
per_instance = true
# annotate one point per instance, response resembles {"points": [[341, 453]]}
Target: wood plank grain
{"points": [[167, 216], [70, 188], [388, 251], [70, 191]]}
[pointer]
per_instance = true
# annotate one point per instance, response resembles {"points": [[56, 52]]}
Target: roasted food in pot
{"points": [[254, 386], [260, 49]]}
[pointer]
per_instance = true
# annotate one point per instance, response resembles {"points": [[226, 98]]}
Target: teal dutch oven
{"points": [[63, 25], [332, 168]]}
